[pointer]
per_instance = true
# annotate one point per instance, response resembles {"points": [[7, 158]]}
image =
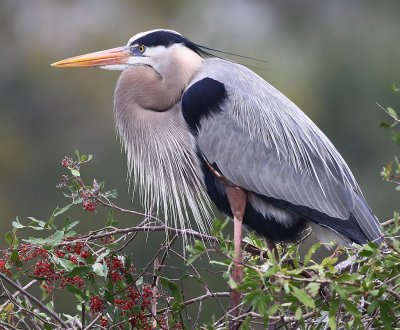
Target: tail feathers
{"points": [[367, 221]]}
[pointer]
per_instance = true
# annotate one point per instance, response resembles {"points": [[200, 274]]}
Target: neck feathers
{"points": [[161, 151]]}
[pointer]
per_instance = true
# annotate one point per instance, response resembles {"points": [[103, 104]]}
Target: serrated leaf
{"points": [[302, 296]]}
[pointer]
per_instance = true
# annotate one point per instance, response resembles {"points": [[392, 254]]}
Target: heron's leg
{"points": [[237, 200]]}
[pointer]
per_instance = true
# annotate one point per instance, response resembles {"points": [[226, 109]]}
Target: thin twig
{"points": [[35, 300]]}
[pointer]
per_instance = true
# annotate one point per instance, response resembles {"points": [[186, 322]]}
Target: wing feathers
{"points": [[264, 143]]}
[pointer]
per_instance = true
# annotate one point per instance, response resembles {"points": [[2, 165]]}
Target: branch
{"points": [[196, 300], [35, 300], [283, 318]]}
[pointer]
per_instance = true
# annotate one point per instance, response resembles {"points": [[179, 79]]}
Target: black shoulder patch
{"points": [[202, 99]]}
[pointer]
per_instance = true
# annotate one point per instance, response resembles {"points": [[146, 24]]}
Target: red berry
{"points": [[96, 304]]}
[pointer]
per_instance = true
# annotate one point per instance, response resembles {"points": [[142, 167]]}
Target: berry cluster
{"points": [[67, 162], [116, 268], [88, 200], [4, 267], [96, 304], [132, 300], [45, 267]]}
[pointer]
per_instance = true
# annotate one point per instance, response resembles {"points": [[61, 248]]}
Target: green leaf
{"points": [[386, 314], [392, 112], [232, 284], [335, 304], [310, 252], [69, 224], [139, 281], [15, 258], [299, 313], [396, 137], [52, 240], [39, 223], [59, 211], [47, 326], [100, 269], [79, 270], [351, 308], [66, 264], [111, 222], [173, 288], [342, 292], [111, 194], [313, 288], [16, 224], [384, 125], [303, 296], [109, 296], [73, 289], [246, 323], [75, 172], [10, 236]]}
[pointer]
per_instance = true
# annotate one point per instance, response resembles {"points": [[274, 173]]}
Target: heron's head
{"points": [[151, 48]]}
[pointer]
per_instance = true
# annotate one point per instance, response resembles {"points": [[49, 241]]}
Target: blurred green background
{"points": [[334, 59]]}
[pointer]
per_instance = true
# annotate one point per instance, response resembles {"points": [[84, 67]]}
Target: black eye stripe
{"points": [[162, 38]]}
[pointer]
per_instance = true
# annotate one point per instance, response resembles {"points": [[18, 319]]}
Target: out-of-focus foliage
{"points": [[391, 172]]}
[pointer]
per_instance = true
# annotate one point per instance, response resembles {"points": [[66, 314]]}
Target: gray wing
{"points": [[264, 143]]}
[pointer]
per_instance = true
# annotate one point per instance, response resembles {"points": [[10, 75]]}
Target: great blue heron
{"points": [[197, 127]]}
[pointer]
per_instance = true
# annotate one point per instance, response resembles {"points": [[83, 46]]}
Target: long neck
{"points": [[161, 151], [161, 87]]}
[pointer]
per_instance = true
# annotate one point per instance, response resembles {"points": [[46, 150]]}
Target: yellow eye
{"points": [[142, 48]]}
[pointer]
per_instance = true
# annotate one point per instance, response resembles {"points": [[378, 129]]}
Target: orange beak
{"points": [[119, 55]]}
